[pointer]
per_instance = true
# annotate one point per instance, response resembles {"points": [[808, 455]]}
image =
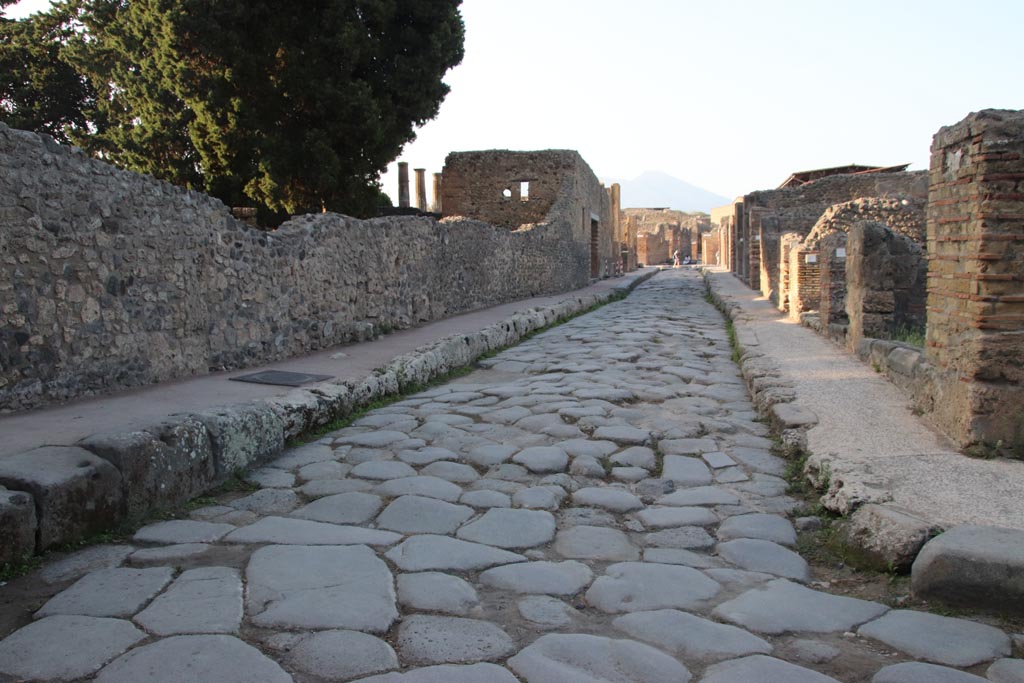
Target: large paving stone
{"points": [[623, 435], [607, 497], [510, 528], [182, 531], [681, 556], [539, 497], [759, 460], [284, 530], [661, 517], [580, 658], [490, 454], [545, 611], [685, 471], [43, 651], [636, 456], [424, 639], [762, 669], [486, 499], [455, 472], [690, 636], [76, 493], [419, 515], [679, 537], [81, 562], [160, 466], [448, 673], [168, 555], [342, 655], [354, 507], [430, 487], [550, 578], [436, 592], [374, 439], [203, 600], [1006, 671], [980, 567], [759, 526], [542, 459], [383, 470], [642, 586], [919, 672], [426, 455], [701, 495], [764, 556], [934, 638], [292, 587], [428, 552], [267, 502], [584, 542], [780, 606], [118, 592], [220, 658]]}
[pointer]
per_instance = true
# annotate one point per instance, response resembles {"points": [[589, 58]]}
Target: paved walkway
{"points": [[134, 409], [867, 433], [599, 504]]}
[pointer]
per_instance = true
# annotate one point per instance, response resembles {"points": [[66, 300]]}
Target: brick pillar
{"points": [[804, 281], [832, 251], [421, 189], [975, 330], [438, 206]]}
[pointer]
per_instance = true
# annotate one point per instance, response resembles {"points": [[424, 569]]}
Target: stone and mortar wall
{"points": [[111, 279], [975, 335], [885, 282], [563, 192], [797, 209], [60, 494], [787, 242], [903, 215]]}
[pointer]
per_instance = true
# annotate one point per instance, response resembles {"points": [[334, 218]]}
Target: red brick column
{"points": [[975, 331]]}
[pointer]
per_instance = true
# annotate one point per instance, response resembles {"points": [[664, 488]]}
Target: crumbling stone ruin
{"points": [[860, 255], [112, 279], [660, 232]]}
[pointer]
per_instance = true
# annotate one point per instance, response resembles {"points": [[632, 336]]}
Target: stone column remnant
{"points": [[403, 184], [421, 189], [438, 207]]}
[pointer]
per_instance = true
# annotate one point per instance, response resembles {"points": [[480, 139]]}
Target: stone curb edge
{"points": [[887, 536], [60, 494]]}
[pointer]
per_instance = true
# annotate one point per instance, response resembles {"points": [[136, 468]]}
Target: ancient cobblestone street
{"points": [[598, 503]]}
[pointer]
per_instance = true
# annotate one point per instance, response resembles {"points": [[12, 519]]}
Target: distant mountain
{"points": [[657, 189]]}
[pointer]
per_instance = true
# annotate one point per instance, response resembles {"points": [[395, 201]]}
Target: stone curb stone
{"points": [[76, 493], [160, 466], [889, 535], [982, 567], [243, 436], [17, 525]]}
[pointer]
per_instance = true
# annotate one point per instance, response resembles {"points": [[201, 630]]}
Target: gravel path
{"points": [[598, 503]]}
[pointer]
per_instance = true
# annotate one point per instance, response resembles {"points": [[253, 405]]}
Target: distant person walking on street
{"points": [[675, 259]]}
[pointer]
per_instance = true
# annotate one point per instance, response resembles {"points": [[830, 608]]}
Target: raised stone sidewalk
{"points": [[76, 470], [599, 504], [898, 479]]}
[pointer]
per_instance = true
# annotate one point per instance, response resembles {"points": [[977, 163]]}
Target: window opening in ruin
{"points": [[595, 254], [524, 190], [506, 193]]}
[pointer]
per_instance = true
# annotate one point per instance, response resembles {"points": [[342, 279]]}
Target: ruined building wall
{"points": [[562, 191], [975, 336], [885, 282], [797, 209], [111, 279], [904, 215]]}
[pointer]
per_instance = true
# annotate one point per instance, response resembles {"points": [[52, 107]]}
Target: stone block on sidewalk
{"points": [[160, 466], [17, 525], [76, 493], [888, 537], [981, 567], [243, 436]]}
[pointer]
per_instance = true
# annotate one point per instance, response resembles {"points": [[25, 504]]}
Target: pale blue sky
{"points": [[730, 95]]}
